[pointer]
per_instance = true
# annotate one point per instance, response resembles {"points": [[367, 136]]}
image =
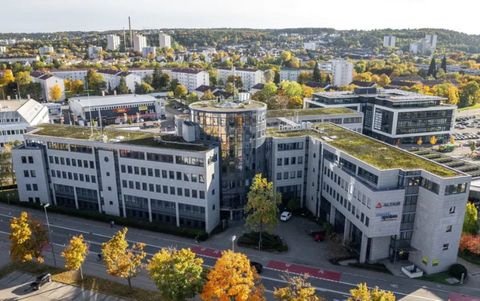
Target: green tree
{"points": [[178, 274], [262, 206], [120, 260], [75, 253], [470, 223], [27, 239], [230, 88], [143, 88], [297, 289], [443, 64], [122, 86], [469, 94], [212, 74], [237, 80], [192, 97], [207, 95], [269, 75], [316, 77], [96, 83], [432, 69], [286, 56], [180, 91], [22, 78]]}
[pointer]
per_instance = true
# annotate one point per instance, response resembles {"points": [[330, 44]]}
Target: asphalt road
{"points": [[63, 227]]}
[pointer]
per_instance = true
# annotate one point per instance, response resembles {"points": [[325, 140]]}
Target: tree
{"points": [[286, 56], [433, 140], [268, 91], [95, 82], [120, 260], [470, 93], [307, 92], [432, 69], [304, 77], [232, 278], [75, 254], [262, 206], [207, 95], [7, 175], [384, 80], [317, 76], [7, 77], [443, 64], [297, 289], [269, 75], [363, 293], [363, 77], [230, 88], [177, 273], [74, 86], [180, 91], [470, 223], [22, 78], [291, 89], [447, 90], [192, 97], [122, 86], [473, 147], [419, 141], [237, 80], [55, 92], [470, 243], [143, 88], [27, 239]]}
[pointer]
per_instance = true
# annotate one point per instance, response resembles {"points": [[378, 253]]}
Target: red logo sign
{"points": [[379, 205]]}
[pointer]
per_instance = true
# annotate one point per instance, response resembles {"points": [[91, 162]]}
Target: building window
{"points": [[451, 210], [449, 228], [29, 187], [445, 247], [202, 194], [279, 175], [26, 174], [179, 191], [279, 162], [30, 159], [187, 192]]}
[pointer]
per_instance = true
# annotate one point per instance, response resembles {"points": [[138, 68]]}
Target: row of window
{"points": [[355, 211], [289, 161], [12, 132], [31, 187], [73, 176], [27, 159], [289, 146], [71, 162], [183, 160], [289, 175], [29, 173], [161, 173], [165, 189], [348, 187], [9, 120]]}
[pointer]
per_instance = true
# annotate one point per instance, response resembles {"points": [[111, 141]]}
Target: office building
{"points": [[190, 78], [238, 128], [388, 203], [104, 110], [139, 42], [137, 175], [164, 40], [95, 52], [17, 115], [249, 77], [342, 71], [47, 81], [113, 42], [389, 41]]}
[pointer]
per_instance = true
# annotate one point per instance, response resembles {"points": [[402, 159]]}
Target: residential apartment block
{"points": [[342, 72], [47, 81], [164, 40], [94, 52], [389, 41], [113, 77], [139, 42], [388, 203], [120, 173], [249, 77], [113, 42], [190, 78], [394, 116]]}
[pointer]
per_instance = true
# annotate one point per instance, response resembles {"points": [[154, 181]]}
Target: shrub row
{"points": [[270, 242]]}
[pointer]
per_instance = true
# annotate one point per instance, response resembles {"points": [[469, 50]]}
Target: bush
{"points": [[270, 242], [456, 270]]}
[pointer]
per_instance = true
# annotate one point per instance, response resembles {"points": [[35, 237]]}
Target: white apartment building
{"points": [[149, 51], [190, 78], [47, 82], [94, 52], [388, 203], [291, 74], [310, 45], [389, 41], [74, 74], [249, 77], [342, 71], [121, 173], [164, 40], [141, 72], [112, 78], [425, 46], [139, 42], [113, 42], [46, 50], [17, 115], [3, 49]]}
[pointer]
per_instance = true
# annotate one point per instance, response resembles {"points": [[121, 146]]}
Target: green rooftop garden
{"points": [[367, 149], [308, 112], [227, 105], [115, 136]]}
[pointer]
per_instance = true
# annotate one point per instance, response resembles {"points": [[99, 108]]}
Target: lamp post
{"points": [[234, 237], [45, 206]]}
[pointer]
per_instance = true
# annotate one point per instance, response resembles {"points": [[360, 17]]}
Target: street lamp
{"points": [[45, 206], [234, 237]]}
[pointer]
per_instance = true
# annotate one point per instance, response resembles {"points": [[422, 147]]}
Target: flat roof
{"points": [[227, 106], [386, 94], [111, 100], [116, 136], [310, 112], [11, 105], [368, 150]]}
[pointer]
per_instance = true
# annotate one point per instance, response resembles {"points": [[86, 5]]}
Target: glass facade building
{"points": [[238, 128]]}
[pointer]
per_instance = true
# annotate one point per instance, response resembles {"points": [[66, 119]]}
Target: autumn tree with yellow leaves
{"points": [[75, 254], [232, 278], [363, 293], [120, 260], [55, 92], [27, 239], [297, 289], [178, 274]]}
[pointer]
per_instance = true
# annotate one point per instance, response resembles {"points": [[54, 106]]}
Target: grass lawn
{"points": [[477, 106], [89, 282], [438, 278]]}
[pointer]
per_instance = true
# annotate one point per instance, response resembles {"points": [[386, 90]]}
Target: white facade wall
{"points": [[48, 83], [139, 42], [164, 40], [71, 74], [342, 72], [113, 42], [191, 80], [249, 77]]}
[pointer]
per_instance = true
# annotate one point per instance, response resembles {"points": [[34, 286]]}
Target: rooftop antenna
{"points": [[124, 41], [131, 33]]}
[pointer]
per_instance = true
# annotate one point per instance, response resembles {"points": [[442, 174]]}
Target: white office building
{"points": [[139, 42], [46, 50], [164, 40], [17, 115], [389, 41], [190, 78], [113, 42], [122, 173], [249, 77], [388, 203], [95, 52], [47, 81], [342, 71]]}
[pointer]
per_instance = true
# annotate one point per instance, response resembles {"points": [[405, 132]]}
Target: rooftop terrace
{"points": [[116, 136], [310, 112], [368, 150], [227, 106]]}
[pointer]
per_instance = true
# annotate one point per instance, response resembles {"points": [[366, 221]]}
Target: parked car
{"points": [[318, 234], [285, 216], [257, 265], [40, 281]]}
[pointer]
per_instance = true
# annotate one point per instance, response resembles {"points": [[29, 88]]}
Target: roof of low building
{"points": [[227, 106], [311, 112], [92, 101]]}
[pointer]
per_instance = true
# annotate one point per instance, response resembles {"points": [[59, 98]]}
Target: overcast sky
{"points": [[84, 15]]}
